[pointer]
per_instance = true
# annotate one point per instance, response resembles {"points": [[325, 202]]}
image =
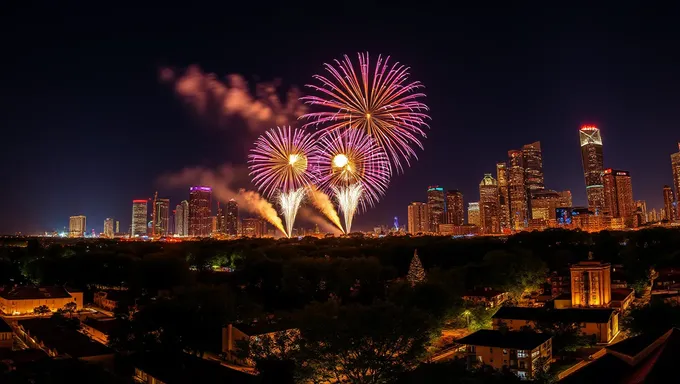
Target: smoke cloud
{"points": [[323, 203]]}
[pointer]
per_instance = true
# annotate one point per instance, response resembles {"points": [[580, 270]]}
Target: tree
{"points": [[657, 317], [70, 307], [41, 310], [416, 273], [567, 337]]}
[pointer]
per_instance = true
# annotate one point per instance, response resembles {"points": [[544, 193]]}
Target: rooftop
{"points": [[620, 294], [35, 293], [575, 315], [183, 368], [102, 325], [65, 341], [506, 339]]}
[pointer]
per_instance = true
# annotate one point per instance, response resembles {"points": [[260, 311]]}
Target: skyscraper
{"points": [[668, 203], [533, 166], [517, 190], [675, 164], [618, 195], [473, 213], [221, 224], [488, 204], [108, 228], [418, 218], [455, 211], [161, 215], [231, 218], [593, 165], [544, 204], [117, 226], [254, 227], [503, 196], [182, 218], [436, 205], [200, 211], [641, 211], [139, 211], [77, 226]]}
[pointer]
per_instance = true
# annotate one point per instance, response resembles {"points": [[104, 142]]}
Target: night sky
{"points": [[87, 125]]}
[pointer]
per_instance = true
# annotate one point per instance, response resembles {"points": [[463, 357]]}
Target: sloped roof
{"points": [[572, 315], [35, 293]]}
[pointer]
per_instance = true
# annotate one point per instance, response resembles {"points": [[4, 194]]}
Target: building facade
{"points": [[533, 166], [503, 196], [668, 206], [544, 203], [231, 218], [455, 210], [139, 212], [517, 190], [77, 226], [488, 205], [418, 218], [436, 204], [108, 228], [179, 220], [618, 196], [161, 226], [254, 227], [474, 214], [200, 211], [675, 165], [593, 166], [590, 284]]}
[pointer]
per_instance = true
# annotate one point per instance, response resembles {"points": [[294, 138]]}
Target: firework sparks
{"points": [[382, 103], [323, 203], [348, 200], [290, 203]]}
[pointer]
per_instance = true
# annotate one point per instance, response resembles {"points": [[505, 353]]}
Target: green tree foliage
{"points": [[416, 272], [41, 310], [655, 318], [567, 337]]}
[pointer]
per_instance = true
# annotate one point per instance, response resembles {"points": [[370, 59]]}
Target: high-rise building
{"points": [[117, 226], [473, 214], [488, 205], [653, 216], [590, 284], [182, 219], [77, 226], [641, 211], [675, 164], [139, 212], [593, 166], [254, 227], [418, 218], [161, 211], [213, 224], [544, 204], [533, 166], [221, 224], [668, 201], [565, 199], [436, 204], [455, 211], [231, 218], [618, 195], [108, 228], [503, 196], [517, 190], [200, 211]]}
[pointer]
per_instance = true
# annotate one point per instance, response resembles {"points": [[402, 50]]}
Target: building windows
{"points": [[522, 354], [505, 351], [522, 375]]}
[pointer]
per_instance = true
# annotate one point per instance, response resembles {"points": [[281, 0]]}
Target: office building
{"points": [[652, 216], [117, 226], [517, 190], [231, 218], [77, 226], [161, 215], [182, 218], [418, 218], [593, 166], [488, 205], [641, 212], [221, 224], [675, 165], [455, 211], [108, 228], [618, 196], [436, 205], [668, 206], [565, 199], [473, 214], [139, 212], [544, 203], [200, 211], [503, 196], [532, 157], [590, 284], [254, 227]]}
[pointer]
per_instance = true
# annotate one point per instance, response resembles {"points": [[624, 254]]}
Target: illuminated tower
{"points": [[200, 211], [221, 224], [231, 218], [517, 190], [533, 166], [418, 218], [668, 201], [182, 218], [488, 204], [436, 205], [77, 226], [254, 227], [108, 228], [473, 213], [593, 166], [641, 211], [455, 211], [675, 164], [139, 211], [618, 195], [503, 196], [161, 214], [590, 284]]}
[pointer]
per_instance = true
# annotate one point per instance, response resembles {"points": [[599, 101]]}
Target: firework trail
{"points": [[380, 101], [323, 203], [279, 165], [354, 168], [263, 208]]}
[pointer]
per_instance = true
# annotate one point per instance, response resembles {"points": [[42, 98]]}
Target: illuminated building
{"points": [[220, 225], [652, 216], [139, 211], [200, 210], [675, 165], [590, 284], [77, 226], [458, 230], [641, 211], [668, 203], [161, 213], [618, 196], [544, 203], [593, 166], [488, 205], [533, 166], [503, 196], [108, 228], [436, 205], [254, 227], [231, 218], [117, 226], [563, 216], [565, 199], [455, 210], [418, 218], [474, 217], [517, 190], [182, 218]]}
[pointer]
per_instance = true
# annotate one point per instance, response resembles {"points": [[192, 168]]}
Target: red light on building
{"points": [[588, 128], [139, 201]]}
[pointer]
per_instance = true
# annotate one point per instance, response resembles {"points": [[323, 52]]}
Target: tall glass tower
{"points": [[593, 166]]}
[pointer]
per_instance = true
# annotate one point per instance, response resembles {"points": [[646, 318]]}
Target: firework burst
{"points": [[380, 101]]}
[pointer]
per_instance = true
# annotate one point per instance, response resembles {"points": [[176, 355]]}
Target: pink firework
{"points": [[352, 158], [280, 160], [381, 102]]}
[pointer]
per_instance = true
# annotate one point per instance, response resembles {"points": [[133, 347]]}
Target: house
{"points": [[488, 297], [23, 300], [6, 335], [639, 359], [109, 299], [234, 334], [524, 353], [99, 329], [171, 368], [622, 298], [602, 323]]}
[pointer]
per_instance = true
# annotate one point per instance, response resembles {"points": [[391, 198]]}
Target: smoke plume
{"points": [[323, 203]]}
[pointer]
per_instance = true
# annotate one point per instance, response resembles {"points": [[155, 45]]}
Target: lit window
{"points": [[522, 375], [522, 353], [505, 351]]}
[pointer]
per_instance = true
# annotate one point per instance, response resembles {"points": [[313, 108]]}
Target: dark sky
{"points": [[87, 126]]}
